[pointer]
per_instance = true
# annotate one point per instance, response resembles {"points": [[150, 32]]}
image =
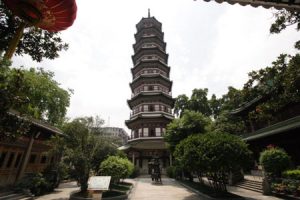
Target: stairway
{"points": [[10, 195], [252, 185]]}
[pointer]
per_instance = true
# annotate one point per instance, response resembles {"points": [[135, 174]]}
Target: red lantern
{"points": [[50, 15]]}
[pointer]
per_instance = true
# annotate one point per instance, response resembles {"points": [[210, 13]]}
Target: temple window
{"points": [[10, 160], [146, 132], [2, 158], [158, 131]]}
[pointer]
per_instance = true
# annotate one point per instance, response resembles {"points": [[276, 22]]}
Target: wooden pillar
{"points": [[133, 158], [25, 159]]}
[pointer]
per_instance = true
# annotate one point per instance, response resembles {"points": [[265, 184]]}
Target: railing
{"points": [[150, 91], [151, 73], [149, 112]]}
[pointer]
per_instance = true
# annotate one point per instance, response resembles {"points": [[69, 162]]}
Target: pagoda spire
{"points": [[148, 12]]}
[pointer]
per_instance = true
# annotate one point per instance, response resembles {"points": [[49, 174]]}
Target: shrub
{"points": [[36, 183], [274, 161], [171, 172], [116, 167], [135, 173], [292, 174]]}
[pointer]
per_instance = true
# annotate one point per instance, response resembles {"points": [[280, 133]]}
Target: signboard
{"points": [[99, 183]]}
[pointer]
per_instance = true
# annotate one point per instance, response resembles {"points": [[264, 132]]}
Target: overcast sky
{"points": [[210, 45]]}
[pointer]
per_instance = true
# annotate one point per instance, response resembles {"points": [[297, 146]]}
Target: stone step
{"points": [[250, 185], [14, 196]]}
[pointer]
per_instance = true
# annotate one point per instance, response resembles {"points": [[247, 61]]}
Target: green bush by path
{"points": [[292, 174], [274, 161], [116, 167]]}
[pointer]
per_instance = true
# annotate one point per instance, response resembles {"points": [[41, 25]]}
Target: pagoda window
{"points": [[145, 131], [152, 132], [135, 133], [145, 107], [151, 108], [156, 87], [140, 132], [151, 87], [156, 107], [158, 131], [146, 88]]}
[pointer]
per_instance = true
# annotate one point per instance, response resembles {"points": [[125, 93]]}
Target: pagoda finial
{"points": [[148, 12]]}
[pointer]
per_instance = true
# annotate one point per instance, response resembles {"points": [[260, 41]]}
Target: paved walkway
{"points": [[61, 193], [169, 190]]}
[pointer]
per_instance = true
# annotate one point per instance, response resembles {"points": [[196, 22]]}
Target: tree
{"points": [[36, 42], [32, 93], [199, 102], [181, 104], [116, 167], [216, 154], [45, 99], [84, 148], [227, 123], [190, 123], [285, 18]]}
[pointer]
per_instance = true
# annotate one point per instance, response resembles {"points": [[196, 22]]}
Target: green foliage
{"points": [[116, 167], [198, 103], [274, 161], [36, 42], [36, 183], [285, 18], [227, 123], [292, 174], [215, 154], [135, 173], [84, 149], [190, 123]]}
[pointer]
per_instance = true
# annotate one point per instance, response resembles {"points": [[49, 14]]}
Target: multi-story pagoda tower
{"points": [[151, 102]]}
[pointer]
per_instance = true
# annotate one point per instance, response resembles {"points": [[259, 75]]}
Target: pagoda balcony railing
{"points": [[164, 74], [150, 59], [134, 137], [132, 114], [151, 91], [157, 41]]}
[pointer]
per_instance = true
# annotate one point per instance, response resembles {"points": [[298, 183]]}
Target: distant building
{"points": [[151, 102], [115, 132]]}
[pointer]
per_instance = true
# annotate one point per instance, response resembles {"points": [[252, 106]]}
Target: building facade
{"points": [[151, 102], [115, 132], [27, 154]]}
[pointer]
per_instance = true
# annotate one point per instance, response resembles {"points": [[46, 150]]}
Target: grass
{"points": [[205, 189]]}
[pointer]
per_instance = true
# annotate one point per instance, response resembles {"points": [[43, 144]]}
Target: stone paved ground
{"points": [[169, 190], [61, 193]]}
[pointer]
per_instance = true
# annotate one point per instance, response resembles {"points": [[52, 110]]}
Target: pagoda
{"points": [[151, 102]]}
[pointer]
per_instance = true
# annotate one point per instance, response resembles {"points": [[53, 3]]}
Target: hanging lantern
{"points": [[50, 15]]}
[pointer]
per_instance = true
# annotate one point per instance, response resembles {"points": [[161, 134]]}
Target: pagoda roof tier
{"points": [[149, 32], [150, 78], [148, 117], [151, 96], [143, 22], [291, 5], [149, 51], [145, 63], [153, 39], [144, 143]]}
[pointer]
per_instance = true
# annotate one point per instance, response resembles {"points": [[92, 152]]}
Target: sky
{"points": [[210, 45]]}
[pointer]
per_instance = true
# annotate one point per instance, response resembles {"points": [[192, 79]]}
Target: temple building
{"points": [[151, 102]]}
